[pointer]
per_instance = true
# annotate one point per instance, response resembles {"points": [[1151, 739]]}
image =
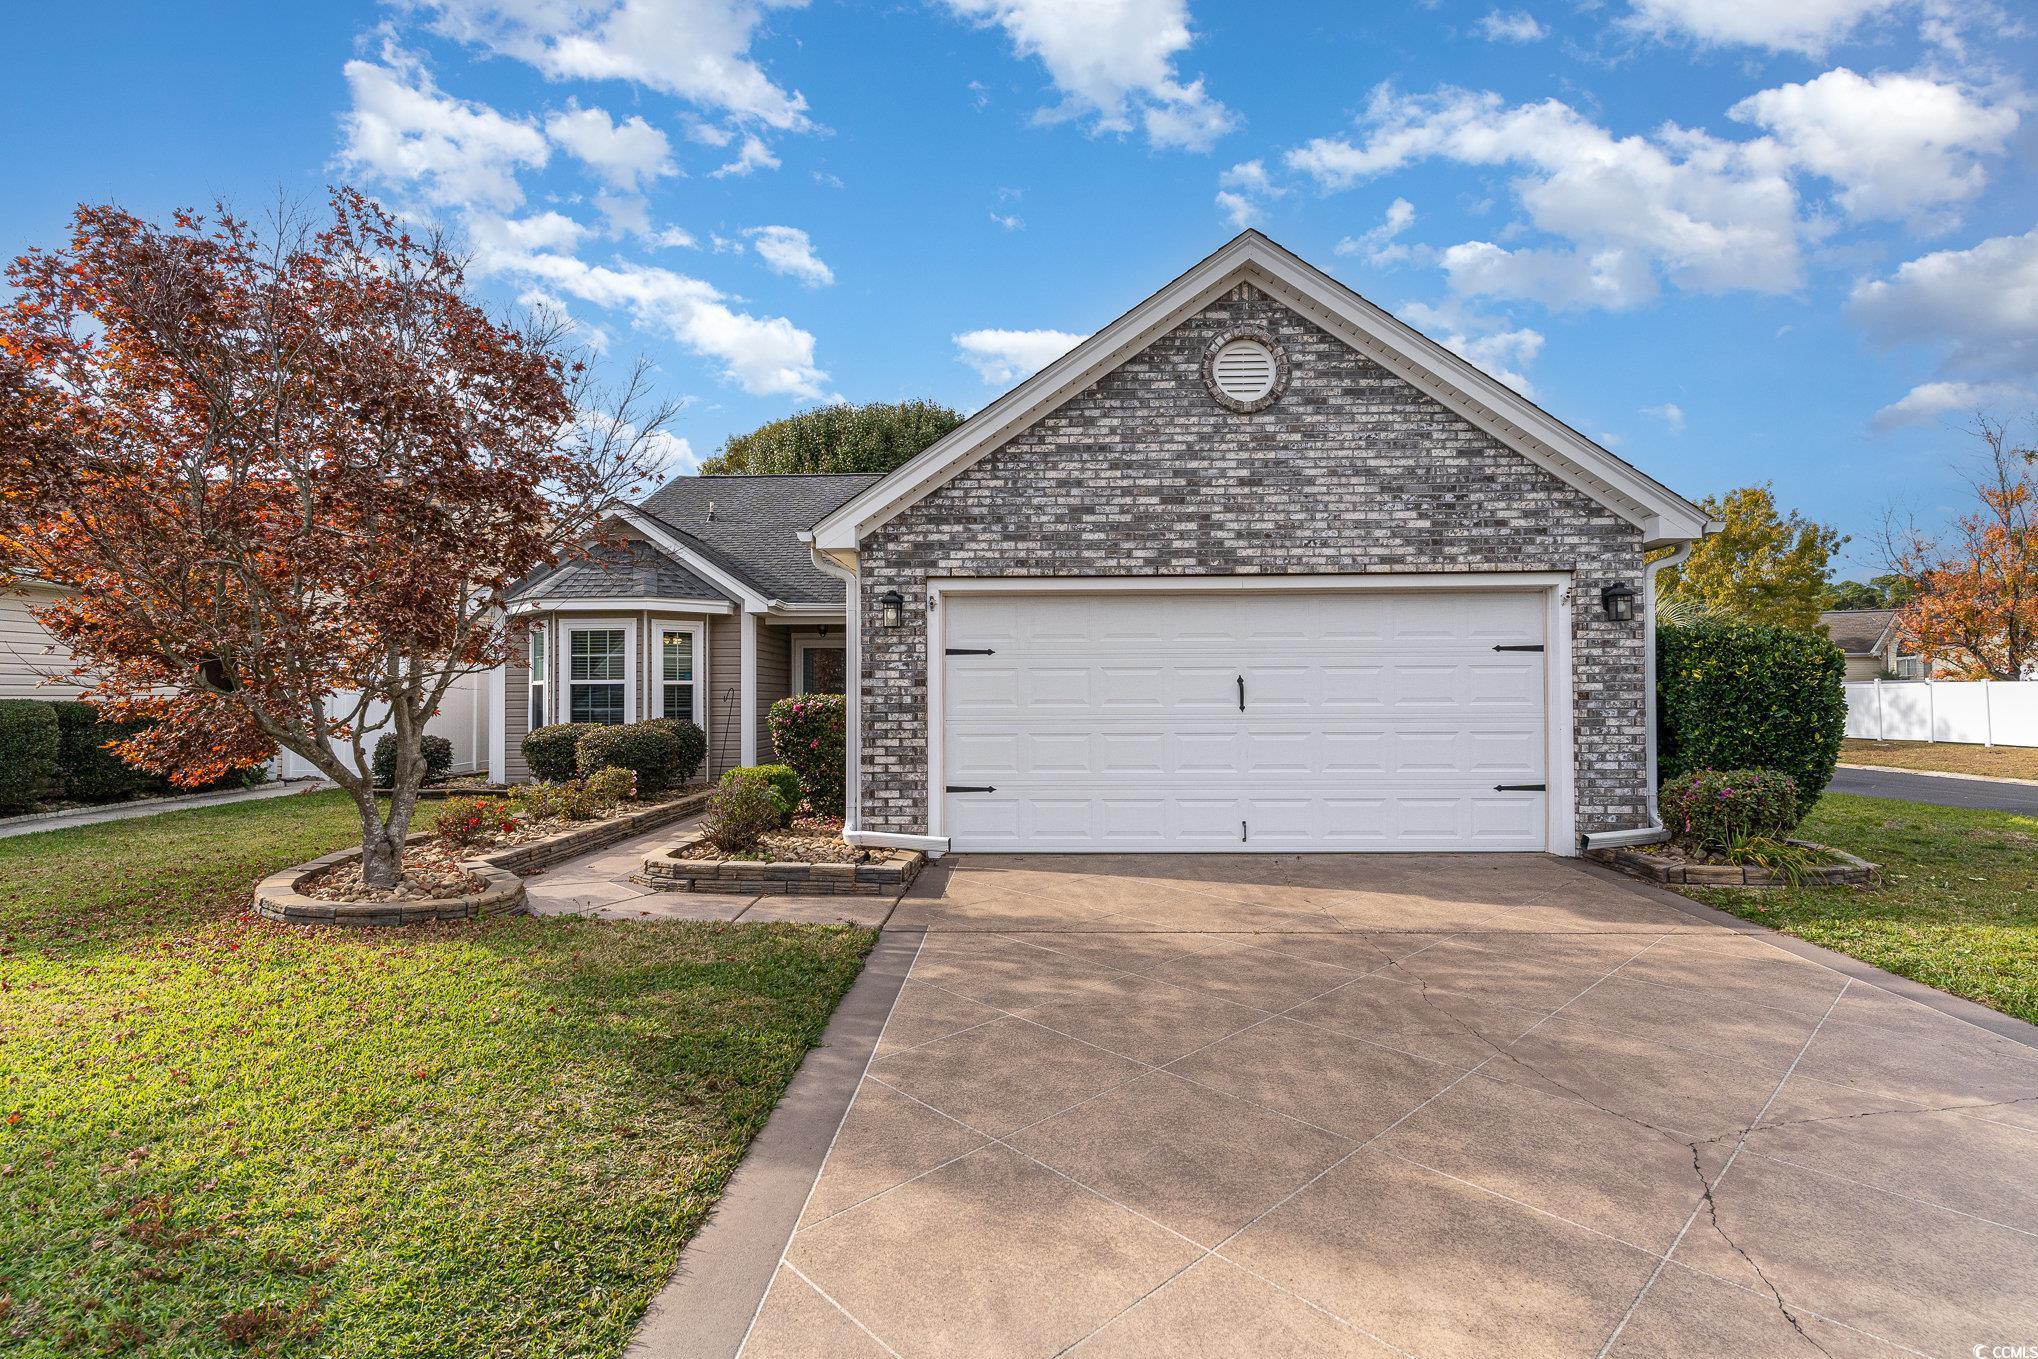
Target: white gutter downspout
{"points": [[1654, 832]]}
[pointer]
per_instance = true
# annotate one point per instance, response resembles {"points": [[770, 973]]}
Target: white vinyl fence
{"points": [[462, 719], [1974, 712]]}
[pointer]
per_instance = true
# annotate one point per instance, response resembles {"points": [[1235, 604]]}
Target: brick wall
{"points": [[1352, 470]]}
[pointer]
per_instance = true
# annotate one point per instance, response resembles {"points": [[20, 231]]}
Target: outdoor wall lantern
{"points": [[893, 606], [1619, 602]]}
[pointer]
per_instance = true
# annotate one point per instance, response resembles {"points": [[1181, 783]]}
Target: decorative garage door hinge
{"points": [[1519, 646], [971, 651], [970, 788], [1519, 788]]}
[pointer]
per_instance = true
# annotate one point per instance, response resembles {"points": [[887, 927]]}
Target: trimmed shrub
{"points": [[437, 750], [648, 748], [1750, 696], [1722, 809], [86, 770], [463, 821], [29, 746], [809, 733], [785, 785], [551, 751], [742, 807], [693, 744], [611, 787]]}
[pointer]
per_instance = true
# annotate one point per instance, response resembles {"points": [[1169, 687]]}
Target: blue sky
{"points": [[1736, 240]]}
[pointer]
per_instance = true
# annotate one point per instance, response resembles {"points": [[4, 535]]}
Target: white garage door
{"points": [[1237, 720]]}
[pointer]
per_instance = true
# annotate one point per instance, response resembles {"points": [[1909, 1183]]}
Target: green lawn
{"points": [[220, 1136], [1957, 908]]}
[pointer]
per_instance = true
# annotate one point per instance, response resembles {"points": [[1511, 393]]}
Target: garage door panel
{"points": [[1373, 721]]}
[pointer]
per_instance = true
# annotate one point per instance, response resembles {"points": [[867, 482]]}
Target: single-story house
{"points": [[1255, 567], [707, 606], [1869, 639]]}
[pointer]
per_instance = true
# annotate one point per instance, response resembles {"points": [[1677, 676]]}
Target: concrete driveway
{"points": [[1493, 1106]]}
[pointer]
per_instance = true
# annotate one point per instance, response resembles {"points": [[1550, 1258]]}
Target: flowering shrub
{"points": [[464, 821], [1717, 810], [809, 734], [742, 808]]}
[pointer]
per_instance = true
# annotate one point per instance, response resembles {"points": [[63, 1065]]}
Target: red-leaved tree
{"points": [[288, 473], [1973, 610]]}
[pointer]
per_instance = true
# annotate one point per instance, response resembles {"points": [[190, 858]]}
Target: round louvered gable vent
{"points": [[1244, 371]]}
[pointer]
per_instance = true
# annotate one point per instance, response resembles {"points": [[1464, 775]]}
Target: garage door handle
{"points": [[1519, 788], [970, 788], [1241, 693], [971, 651], [1519, 646]]}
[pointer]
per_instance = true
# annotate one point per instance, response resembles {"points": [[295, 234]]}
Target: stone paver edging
{"points": [[277, 896], [1851, 871], [889, 872]]}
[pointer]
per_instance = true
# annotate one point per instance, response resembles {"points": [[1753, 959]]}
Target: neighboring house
{"points": [[1255, 567], [28, 652], [1868, 637], [710, 608]]}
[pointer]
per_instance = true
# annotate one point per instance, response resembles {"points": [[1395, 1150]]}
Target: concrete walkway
{"points": [[1941, 790], [128, 811], [1345, 1105], [599, 885]]}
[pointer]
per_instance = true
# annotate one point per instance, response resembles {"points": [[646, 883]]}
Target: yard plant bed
{"points": [[1955, 905], [1945, 757], [222, 1136], [694, 865], [1674, 864], [444, 884]]}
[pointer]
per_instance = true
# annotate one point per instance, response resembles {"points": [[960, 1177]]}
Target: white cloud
{"points": [[1011, 221], [1113, 61], [1513, 26], [671, 455], [1477, 340], [788, 250], [1897, 145], [1808, 26], [1929, 401], [764, 355], [1243, 191], [1980, 305], [1670, 413], [1004, 356], [539, 231], [754, 154], [1378, 245], [402, 131], [698, 50], [1709, 215], [625, 156]]}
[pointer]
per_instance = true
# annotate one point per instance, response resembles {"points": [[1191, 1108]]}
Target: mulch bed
{"points": [[431, 870], [809, 840]]}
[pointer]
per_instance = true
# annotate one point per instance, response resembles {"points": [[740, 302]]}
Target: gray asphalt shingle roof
{"points": [[1856, 631], [630, 571], [750, 525]]}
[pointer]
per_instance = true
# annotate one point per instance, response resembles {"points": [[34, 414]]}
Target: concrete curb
{"points": [[100, 815], [1953, 1007], [705, 1310], [1935, 774]]}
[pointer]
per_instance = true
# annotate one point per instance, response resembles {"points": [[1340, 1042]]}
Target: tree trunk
{"points": [[381, 851]]}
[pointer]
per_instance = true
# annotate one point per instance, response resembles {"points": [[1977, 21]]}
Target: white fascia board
{"points": [[743, 591], [1661, 514], [784, 609], [569, 604]]}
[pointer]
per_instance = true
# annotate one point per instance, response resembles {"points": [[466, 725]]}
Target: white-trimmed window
{"points": [[600, 661], [818, 665], [679, 663], [539, 674]]}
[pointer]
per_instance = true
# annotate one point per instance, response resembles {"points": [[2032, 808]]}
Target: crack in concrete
{"points": [[1712, 1213]]}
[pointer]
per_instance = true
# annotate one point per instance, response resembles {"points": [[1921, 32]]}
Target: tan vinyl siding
{"points": [[27, 651], [725, 693], [774, 680]]}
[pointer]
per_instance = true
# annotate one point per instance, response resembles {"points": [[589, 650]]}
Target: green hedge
{"points": [[551, 751], [30, 742], [437, 752], [648, 748], [1750, 696], [86, 769], [693, 744], [785, 786]]}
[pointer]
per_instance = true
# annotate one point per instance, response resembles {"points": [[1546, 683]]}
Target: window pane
{"points": [[678, 701], [678, 648], [597, 655], [537, 656], [537, 707], [821, 670], [597, 703]]}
